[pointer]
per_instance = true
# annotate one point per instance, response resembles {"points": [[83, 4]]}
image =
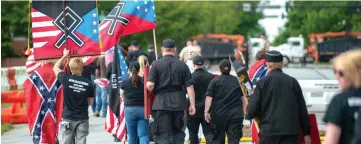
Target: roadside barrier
{"points": [[16, 113], [12, 78]]}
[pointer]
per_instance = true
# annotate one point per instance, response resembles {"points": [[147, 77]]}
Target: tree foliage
{"points": [[304, 21], [178, 20], [14, 22]]}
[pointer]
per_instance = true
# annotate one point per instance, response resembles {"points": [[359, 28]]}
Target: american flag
{"points": [[256, 72], [115, 122]]}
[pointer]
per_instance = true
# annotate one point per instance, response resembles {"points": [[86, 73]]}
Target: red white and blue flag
{"points": [[127, 17], [60, 24], [44, 98], [255, 73]]}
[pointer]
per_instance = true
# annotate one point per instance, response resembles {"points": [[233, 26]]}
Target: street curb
{"points": [[248, 139]]}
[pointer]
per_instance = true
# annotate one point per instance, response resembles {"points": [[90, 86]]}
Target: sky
{"points": [[272, 25]]}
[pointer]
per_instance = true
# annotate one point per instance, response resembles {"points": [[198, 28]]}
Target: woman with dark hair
{"points": [[132, 92]]}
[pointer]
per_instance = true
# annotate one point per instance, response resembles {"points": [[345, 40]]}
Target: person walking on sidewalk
{"points": [[78, 95], [201, 79], [170, 77], [132, 91], [223, 106], [279, 104]]}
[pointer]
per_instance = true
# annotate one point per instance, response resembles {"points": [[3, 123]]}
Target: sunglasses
{"points": [[339, 72]]}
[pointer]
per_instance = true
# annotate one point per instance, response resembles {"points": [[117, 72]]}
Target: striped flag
{"points": [[60, 24], [115, 122], [31, 65], [256, 72]]}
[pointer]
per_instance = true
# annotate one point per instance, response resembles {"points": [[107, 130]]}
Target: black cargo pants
{"points": [[193, 128], [232, 127], [167, 127]]}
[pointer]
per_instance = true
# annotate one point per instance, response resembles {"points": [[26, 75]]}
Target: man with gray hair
{"points": [[279, 104]]}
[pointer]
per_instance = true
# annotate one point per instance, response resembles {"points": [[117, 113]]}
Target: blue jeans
{"points": [[101, 100], [137, 126], [95, 93]]}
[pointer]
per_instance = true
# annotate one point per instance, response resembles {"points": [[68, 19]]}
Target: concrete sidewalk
{"points": [[97, 134]]}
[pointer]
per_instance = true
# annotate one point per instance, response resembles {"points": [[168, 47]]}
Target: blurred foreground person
{"points": [[279, 104], [201, 79], [134, 52], [223, 106], [184, 54], [170, 77], [342, 112], [78, 95], [132, 91]]}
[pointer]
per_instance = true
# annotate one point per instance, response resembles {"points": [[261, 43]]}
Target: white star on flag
{"points": [[42, 112], [34, 76], [135, 0], [41, 88], [138, 7], [38, 125], [94, 14], [94, 30], [146, 10], [55, 88], [145, 2], [94, 23], [122, 72], [153, 7], [49, 100], [152, 0]]}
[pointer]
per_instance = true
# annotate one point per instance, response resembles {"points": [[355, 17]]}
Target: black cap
{"points": [[198, 60], [225, 65], [134, 64], [274, 56], [150, 46], [168, 43], [134, 43]]}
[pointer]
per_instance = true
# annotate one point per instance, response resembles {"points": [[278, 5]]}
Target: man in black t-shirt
{"points": [[223, 107], [78, 95], [201, 79]]}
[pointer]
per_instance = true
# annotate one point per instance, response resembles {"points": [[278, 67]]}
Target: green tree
{"points": [[304, 21], [14, 22]]}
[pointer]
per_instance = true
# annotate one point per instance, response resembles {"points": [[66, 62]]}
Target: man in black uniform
{"points": [[135, 52], [279, 104], [224, 101], [201, 79], [151, 53], [169, 77]]}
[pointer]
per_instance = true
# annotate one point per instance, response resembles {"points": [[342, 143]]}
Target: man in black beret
{"points": [[279, 104], [225, 96], [201, 79], [171, 79]]}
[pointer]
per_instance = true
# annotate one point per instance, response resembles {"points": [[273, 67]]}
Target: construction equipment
{"points": [[324, 46], [220, 46]]}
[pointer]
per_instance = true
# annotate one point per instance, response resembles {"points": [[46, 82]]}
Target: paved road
{"points": [[20, 135]]}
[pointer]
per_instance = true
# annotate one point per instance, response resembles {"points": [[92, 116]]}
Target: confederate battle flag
{"points": [[44, 98]]}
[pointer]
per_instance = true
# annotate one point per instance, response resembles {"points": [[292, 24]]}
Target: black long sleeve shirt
{"points": [[279, 104]]}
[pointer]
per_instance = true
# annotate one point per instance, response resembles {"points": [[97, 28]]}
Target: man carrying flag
{"points": [[78, 95]]}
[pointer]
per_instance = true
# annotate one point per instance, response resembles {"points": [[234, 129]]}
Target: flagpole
{"points": [[155, 45], [66, 37]]}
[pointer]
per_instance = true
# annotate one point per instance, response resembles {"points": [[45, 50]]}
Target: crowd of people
{"points": [[183, 87]]}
